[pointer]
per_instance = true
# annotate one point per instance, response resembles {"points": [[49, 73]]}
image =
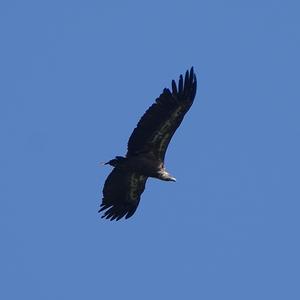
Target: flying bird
{"points": [[146, 150]]}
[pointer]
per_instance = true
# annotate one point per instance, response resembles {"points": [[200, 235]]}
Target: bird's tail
{"points": [[114, 162]]}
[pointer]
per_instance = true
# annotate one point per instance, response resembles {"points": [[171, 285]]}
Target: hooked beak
{"points": [[173, 179]]}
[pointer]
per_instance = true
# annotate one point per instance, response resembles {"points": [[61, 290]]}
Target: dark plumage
{"points": [[147, 147]]}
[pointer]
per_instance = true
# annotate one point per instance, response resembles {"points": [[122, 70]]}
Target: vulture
{"points": [[146, 150]]}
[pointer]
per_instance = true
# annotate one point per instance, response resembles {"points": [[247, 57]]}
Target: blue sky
{"points": [[76, 76]]}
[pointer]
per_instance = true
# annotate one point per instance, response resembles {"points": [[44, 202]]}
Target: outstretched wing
{"points": [[157, 126], [121, 194]]}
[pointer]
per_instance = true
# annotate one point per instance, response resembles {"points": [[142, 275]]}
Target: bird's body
{"points": [[147, 146], [145, 164]]}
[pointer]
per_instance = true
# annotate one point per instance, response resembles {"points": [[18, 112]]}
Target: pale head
{"points": [[164, 175]]}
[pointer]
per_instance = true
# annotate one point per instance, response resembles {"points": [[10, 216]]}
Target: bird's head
{"points": [[166, 176], [171, 179]]}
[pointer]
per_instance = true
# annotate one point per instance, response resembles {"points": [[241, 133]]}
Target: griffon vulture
{"points": [[146, 150]]}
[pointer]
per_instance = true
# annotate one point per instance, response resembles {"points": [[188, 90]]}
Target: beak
{"points": [[173, 179]]}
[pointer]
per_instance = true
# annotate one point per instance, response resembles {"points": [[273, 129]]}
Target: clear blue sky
{"points": [[75, 78]]}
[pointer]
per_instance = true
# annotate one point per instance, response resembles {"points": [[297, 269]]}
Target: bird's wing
{"points": [[121, 194], [157, 126]]}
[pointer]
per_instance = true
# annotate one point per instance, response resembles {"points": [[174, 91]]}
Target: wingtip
{"points": [[193, 79], [180, 84], [174, 87], [192, 75]]}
